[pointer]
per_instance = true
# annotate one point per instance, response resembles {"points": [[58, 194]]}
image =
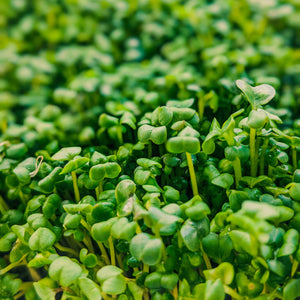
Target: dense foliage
{"points": [[144, 151]]}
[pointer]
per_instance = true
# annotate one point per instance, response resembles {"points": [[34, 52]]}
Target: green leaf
{"points": [[162, 116], [224, 272], [256, 96], [193, 232], [101, 231], [124, 190], [217, 247], [163, 222], [74, 164], [44, 291], [292, 290], [89, 288], [214, 290], [6, 242], [42, 239], [64, 271], [100, 171], [111, 279], [122, 229], [224, 180], [290, 243], [183, 144], [66, 153], [158, 135], [146, 248], [244, 242]]}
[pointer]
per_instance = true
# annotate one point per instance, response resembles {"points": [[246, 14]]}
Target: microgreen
{"points": [[143, 156]]}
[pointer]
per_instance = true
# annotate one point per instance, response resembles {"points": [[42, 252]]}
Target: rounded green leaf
{"points": [[74, 164], [42, 239], [89, 288], [66, 153], [146, 248], [224, 272], [183, 144], [101, 231], [257, 119], [111, 279], [64, 271], [158, 135]]}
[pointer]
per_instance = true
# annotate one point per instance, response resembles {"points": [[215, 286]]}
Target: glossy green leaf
{"points": [[74, 164], [64, 271], [183, 144], [66, 153], [107, 170], [193, 232], [146, 248], [111, 279], [224, 272], [256, 96], [292, 290], [89, 288], [42, 239], [290, 243]]}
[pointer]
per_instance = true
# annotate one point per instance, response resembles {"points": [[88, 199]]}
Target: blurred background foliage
{"points": [[96, 56]]}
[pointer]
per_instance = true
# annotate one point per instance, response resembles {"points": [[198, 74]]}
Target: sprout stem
{"points": [[13, 265], [112, 251], [253, 152], [201, 106], [34, 274], [75, 186], [3, 206], [145, 268], [66, 249], [119, 260], [232, 293], [294, 158], [294, 267], [103, 253], [262, 157], [192, 174], [175, 292], [205, 257], [237, 171]]}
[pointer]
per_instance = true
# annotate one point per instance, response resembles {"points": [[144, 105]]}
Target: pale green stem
{"points": [[294, 267], [99, 190], [231, 292], [179, 238], [237, 171], [262, 157], [3, 206], [253, 152], [294, 158], [119, 260], [112, 251], [201, 106], [192, 173], [75, 186], [145, 268], [175, 292], [146, 295], [13, 265], [205, 257], [34, 274], [103, 253], [88, 242], [65, 249]]}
